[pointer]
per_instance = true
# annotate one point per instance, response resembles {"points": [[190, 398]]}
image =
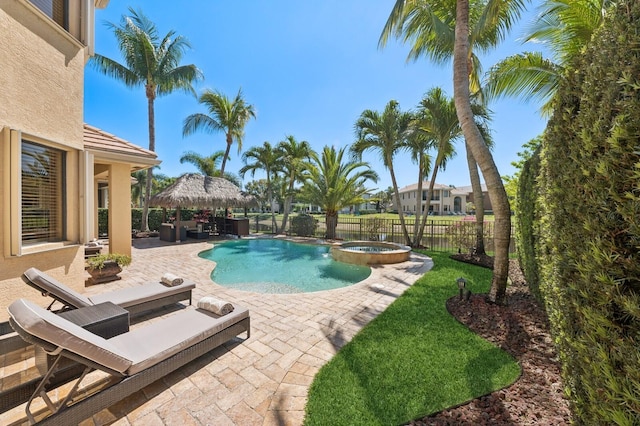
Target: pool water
{"points": [[277, 266]]}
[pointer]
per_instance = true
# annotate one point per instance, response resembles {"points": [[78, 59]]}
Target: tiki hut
{"points": [[196, 190]]}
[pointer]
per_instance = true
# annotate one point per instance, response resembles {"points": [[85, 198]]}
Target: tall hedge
{"points": [[528, 222], [590, 244]]}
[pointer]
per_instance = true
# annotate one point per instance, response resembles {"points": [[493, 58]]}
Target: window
{"points": [[43, 200], [445, 194], [435, 196], [54, 9]]}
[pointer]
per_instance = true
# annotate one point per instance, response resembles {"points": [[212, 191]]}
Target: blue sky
{"points": [[309, 69]]}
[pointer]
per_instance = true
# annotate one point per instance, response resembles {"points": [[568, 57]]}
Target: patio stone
{"points": [[260, 381]]}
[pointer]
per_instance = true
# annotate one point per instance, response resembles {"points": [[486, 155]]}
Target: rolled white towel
{"points": [[214, 305], [171, 279]]}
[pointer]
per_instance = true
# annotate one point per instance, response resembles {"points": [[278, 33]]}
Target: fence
{"points": [[438, 235]]}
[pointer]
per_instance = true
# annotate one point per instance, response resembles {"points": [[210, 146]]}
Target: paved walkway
{"points": [[262, 380]]}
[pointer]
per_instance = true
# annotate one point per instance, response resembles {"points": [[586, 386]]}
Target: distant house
{"points": [[50, 162], [446, 199]]}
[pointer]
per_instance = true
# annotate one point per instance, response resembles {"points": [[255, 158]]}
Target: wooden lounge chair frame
{"points": [[64, 413]]}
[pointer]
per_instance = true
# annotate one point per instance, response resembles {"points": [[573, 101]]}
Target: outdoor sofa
{"points": [[133, 359]]}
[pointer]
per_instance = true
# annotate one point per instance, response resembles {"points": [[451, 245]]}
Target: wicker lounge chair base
{"points": [[69, 411]]}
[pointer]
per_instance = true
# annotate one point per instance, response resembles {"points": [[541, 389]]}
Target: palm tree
{"points": [[480, 151], [265, 158], [386, 133], [152, 62], [435, 127], [228, 116], [332, 184], [294, 156], [438, 120], [565, 27], [439, 33], [208, 166], [137, 189]]}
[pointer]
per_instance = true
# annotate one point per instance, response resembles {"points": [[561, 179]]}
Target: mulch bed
{"points": [[520, 328]]}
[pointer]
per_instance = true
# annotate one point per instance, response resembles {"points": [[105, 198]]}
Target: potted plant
{"points": [[106, 267]]}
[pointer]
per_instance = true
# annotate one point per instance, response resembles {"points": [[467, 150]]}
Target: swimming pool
{"points": [[279, 266]]}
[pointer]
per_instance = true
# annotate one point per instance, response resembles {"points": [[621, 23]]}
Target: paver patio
{"points": [[262, 380]]}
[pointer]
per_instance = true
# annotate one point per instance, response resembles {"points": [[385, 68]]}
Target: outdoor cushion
{"points": [[153, 343], [50, 285], [125, 297], [60, 332], [135, 295]]}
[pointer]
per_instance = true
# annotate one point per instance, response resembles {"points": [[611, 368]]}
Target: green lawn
{"points": [[412, 360]]}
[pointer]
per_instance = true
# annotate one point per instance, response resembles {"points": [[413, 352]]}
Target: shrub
{"points": [[303, 225], [462, 235], [590, 234], [98, 261], [528, 222], [374, 227]]}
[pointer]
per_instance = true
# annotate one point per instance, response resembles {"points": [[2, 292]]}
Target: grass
{"points": [[413, 360]]}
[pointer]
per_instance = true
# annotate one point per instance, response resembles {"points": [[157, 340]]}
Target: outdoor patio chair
{"points": [[136, 299], [133, 359]]}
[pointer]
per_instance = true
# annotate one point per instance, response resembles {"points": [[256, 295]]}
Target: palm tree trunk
{"points": [[226, 154], [274, 224], [152, 147], [331, 222], [481, 153], [478, 198], [398, 205], [429, 192], [287, 206], [416, 223]]}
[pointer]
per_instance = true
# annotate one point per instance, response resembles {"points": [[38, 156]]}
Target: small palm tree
{"points": [[152, 62], [228, 116], [294, 156], [333, 184], [208, 166], [265, 158], [438, 123], [387, 134]]}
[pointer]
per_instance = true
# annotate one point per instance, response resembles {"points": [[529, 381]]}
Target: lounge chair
{"points": [[134, 359], [135, 299]]}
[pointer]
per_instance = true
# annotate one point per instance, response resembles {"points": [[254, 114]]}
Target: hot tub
{"points": [[370, 252]]}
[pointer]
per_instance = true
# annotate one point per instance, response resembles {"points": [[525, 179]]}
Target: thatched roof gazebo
{"points": [[196, 190]]}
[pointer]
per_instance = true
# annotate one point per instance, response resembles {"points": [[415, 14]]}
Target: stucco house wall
{"points": [[41, 99]]}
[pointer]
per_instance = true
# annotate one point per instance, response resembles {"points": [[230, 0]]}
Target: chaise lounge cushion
{"points": [[48, 326], [151, 344], [125, 297], [131, 352], [51, 286], [135, 295]]}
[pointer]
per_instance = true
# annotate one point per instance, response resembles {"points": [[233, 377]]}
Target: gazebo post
{"points": [[178, 224]]}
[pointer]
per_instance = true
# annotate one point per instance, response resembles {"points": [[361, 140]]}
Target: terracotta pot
{"points": [[108, 273]]}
